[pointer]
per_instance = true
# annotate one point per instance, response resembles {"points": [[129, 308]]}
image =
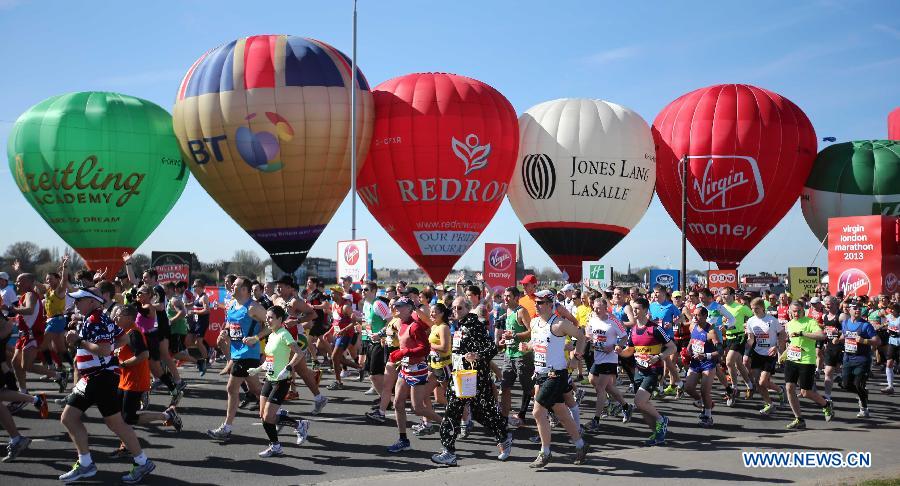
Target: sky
{"points": [[838, 60]]}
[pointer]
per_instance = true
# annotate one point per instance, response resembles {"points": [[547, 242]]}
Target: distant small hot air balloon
{"points": [[852, 179], [102, 169], [584, 177], [748, 152], [264, 123], [443, 152]]}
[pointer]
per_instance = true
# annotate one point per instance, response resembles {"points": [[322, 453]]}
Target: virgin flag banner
{"points": [[499, 265], [353, 260], [218, 301], [863, 255]]}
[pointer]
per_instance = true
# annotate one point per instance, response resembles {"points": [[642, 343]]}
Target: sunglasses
{"points": [[458, 307]]}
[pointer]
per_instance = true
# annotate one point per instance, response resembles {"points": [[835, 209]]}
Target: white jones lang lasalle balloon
{"points": [[585, 176]]}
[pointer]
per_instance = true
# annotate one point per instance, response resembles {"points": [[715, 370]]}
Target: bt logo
{"points": [[258, 149]]}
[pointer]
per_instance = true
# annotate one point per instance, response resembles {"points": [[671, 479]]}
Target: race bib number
{"points": [[762, 341], [457, 360], [457, 339], [850, 346], [269, 364], [235, 332], [540, 355], [599, 342], [698, 346], [81, 386], [894, 340], [794, 353], [509, 342], [405, 361], [642, 360], [831, 332]]}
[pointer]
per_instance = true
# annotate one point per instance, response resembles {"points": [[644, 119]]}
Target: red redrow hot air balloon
{"points": [[443, 151], [748, 151]]}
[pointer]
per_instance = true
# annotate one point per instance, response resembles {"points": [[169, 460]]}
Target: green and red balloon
{"points": [[102, 169]]}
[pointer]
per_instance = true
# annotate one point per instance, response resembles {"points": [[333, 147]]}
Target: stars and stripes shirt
{"points": [[97, 328]]}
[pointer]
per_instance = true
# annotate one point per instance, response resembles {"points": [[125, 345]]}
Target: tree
{"points": [[28, 255], [247, 263]]}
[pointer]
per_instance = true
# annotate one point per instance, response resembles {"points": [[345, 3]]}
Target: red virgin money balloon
{"points": [[894, 124], [443, 151], [749, 152]]}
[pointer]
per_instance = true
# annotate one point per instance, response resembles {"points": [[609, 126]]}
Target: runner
{"points": [[649, 346], [736, 340], [8, 393], [410, 357], [604, 332], [622, 311], [242, 319], [529, 283], [57, 285], [517, 364], [472, 349], [705, 355], [198, 318], [343, 331], [176, 312], [718, 315], [439, 360], [766, 339], [859, 338], [667, 318], [134, 375], [277, 366], [146, 321], [800, 367], [376, 314], [893, 347], [548, 333], [833, 354], [31, 321], [98, 386]]}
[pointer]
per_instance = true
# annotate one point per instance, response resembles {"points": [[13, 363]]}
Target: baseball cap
{"points": [[91, 293], [4, 276], [815, 300], [439, 287], [347, 296], [677, 293], [544, 295], [347, 278], [568, 287], [529, 279], [403, 301], [336, 289]]}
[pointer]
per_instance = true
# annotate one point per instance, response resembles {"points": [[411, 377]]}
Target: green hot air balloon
{"points": [[102, 169], [852, 179]]}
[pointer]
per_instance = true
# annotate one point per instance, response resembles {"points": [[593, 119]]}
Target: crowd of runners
{"points": [[107, 341]]}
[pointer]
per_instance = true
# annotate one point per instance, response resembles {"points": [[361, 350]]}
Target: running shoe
{"points": [[679, 392], [14, 448], [362, 375], [302, 431], [79, 472], [505, 447], [540, 461], [579, 395], [177, 395], [467, 429], [138, 473], [346, 374], [748, 393], [580, 455], [173, 419], [593, 426], [627, 411], [219, 433], [292, 395], [446, 458], [371, 391], [376, 416], [651, 441], [670, 391], [662, 428], [274, 450], [202, 366], [145, 400], [698, 403], [15, 407], [535, 439], [796, 424], [863, 413], [41, 405], [62, 402], [553, 420], [828, 410], [729, 398], [782, 396], [604, 414], [706, 420], [122, 451], [335, 385], [424, 430], [399, 446], [319, 404], [514, 422], [767, 410], [888, 390], [62, 379]]}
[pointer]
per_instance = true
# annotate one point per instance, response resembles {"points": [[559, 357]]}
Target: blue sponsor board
{"points": [[667, 278]]}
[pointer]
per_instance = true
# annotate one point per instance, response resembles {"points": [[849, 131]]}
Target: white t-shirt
{"points": [[766, 331], [603, 333]]}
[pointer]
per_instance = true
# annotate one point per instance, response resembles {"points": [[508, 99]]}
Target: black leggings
{"points": [[483, 408], [855, 378]]}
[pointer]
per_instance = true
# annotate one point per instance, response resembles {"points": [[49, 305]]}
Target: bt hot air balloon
{"points": [[584, 177], [102, 169], [264, 123], [443, 152], [748, 152], [852, 179]]}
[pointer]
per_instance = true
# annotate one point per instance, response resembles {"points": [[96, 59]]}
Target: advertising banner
{"points": [[803, 280], [353, 260], [863, 257], [665, 277], [595, 275], [218, 301], [719, 279], [499, 265], [172, 266]]}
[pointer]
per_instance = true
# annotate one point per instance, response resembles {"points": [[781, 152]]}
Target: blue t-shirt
{"points": [[855, 352], [893, 328], [241, 325], [667, 312]]}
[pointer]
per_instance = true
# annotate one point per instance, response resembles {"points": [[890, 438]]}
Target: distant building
{"points": [[520, 262], [324, 268]]}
